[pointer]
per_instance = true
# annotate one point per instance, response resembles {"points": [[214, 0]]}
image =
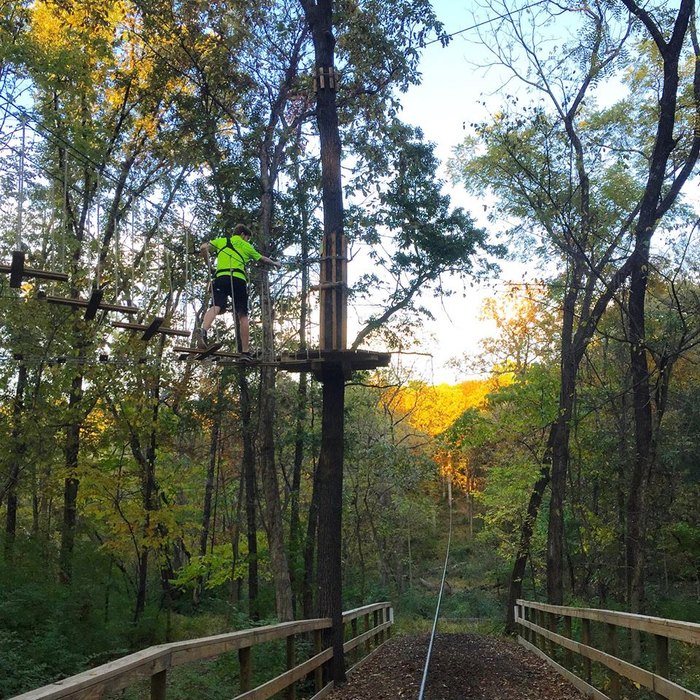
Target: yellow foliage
{"points": [[60, 25], [433, 409]]}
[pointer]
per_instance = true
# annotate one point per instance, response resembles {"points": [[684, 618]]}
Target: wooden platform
{"points": [[320, 362]]}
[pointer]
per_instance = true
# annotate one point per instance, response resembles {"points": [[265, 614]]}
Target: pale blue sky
{"points": [[449, 96]]}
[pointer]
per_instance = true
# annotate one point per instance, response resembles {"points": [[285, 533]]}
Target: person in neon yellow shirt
{"points": [[230, 281]]}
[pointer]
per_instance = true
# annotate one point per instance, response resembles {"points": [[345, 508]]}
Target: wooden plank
{"points": [[662, 665], [114, 675], [144, 329], [577, 682], [284, 680], [365, 610], [650, 680], [83, 303], [209, 647], [16, 269], [201, 353], [673, 629], [245, 668], [372, 632], [324, 692]]}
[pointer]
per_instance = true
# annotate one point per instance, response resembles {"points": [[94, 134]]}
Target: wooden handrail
{"points": [[156, 661], [544, 628]]}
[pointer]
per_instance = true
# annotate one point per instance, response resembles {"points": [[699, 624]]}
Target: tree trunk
{"points": [[71, 483], [560, 432], [295, 535], [248, 469], [17, 452], [319, 15], [209, 485], [308, 607], [266, 423], [273, 509], [330, 509], [518, 574]]}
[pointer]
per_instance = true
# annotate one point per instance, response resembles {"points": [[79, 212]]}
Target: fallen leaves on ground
{"points": [[462, 667]]}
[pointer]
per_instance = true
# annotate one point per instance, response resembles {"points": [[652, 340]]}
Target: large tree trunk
{"points": [[248, 469], [517, 575], [209, 484], [266, 425], [559, 447], [295, 535], [330, 510], [17, 452], [71, 483], [333, 331], [309, 610]]}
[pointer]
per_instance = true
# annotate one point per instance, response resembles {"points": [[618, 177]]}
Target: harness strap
{"points": [[221, 273]]}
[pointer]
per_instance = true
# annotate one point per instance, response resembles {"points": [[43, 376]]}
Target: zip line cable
{"points": [[437, 607], [505, 15]]}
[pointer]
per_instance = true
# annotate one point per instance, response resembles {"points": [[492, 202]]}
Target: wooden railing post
{"points": [[356, 650], [244, 664], [375, 618], [318, 648], [540, 641], [611, 648], [291, 662], [525, 613], [568, 632], [551, 625], [586, 639], [661, 665], [158, 685], [368, 643], [390, 614]]}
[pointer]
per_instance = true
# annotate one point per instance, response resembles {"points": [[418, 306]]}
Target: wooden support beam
{"points": [[202, 354], [17, 270], [83, 303], [148, 333]]}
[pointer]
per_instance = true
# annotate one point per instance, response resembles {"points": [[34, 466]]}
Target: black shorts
{"points": [[227, 286]]}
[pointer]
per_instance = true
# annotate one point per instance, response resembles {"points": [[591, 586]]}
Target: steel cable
{"points": [[437, 609]]}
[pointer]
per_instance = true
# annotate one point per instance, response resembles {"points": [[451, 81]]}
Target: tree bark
{"points": [[71, 483], [248, 469], [209, 484], [17, 453], [330, 509]]}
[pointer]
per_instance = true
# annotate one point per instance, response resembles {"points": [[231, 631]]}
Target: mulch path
{"points": [[463, 667]]}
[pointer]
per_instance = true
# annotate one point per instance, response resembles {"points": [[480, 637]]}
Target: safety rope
{"points": [[437, 608]]}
